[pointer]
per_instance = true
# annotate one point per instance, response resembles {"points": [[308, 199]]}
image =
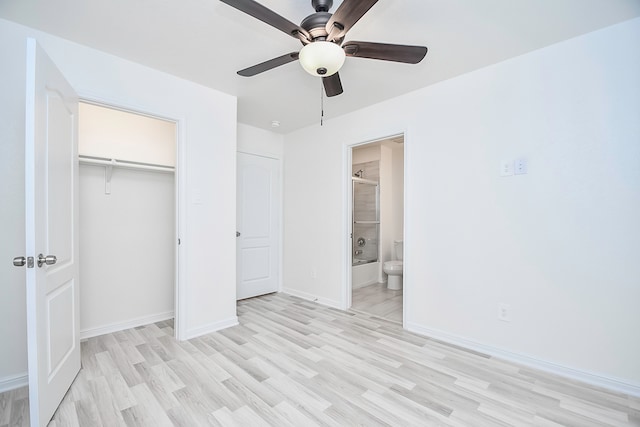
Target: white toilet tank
{"points": [[398, 245]]}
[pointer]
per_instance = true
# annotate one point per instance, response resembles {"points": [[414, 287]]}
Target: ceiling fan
{"points": [[322, 35]]}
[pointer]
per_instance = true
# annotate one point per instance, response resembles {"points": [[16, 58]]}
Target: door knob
{"points": [[49, 260]]}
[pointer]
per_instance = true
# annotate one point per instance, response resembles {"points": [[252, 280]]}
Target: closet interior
{"points": [[127, 201]]}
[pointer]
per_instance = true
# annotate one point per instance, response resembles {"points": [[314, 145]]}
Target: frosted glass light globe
{"points": [[321, 58]]}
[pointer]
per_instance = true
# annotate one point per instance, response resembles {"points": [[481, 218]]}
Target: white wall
{"points": [[207, 128], [560, 244], [398, 192], [365, 154], [13, 322], [114, 134], [391, 201], [253, 140], [386, 209]]}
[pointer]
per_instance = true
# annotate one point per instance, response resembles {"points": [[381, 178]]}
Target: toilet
{"points": [[394, 268]]}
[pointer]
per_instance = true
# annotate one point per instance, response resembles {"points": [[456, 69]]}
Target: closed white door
{"points": [[51, 235], [258, 220]]}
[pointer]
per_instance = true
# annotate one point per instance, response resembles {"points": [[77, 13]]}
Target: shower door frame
{"points": [[376, 222]]}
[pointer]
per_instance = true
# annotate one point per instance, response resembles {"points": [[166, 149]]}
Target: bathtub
{"points": [[364, 273]]}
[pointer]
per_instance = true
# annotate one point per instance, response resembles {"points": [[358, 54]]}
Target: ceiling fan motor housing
{"points": [[322, 5], [316, 25]]}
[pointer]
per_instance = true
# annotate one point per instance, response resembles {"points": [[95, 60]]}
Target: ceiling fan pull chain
{"points": [[321, 103]]}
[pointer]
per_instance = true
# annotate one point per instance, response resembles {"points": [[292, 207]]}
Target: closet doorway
{"points": [[127, 197]]}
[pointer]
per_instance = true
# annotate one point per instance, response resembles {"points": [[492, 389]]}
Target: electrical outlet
{"points": [[520, 166], [504, 312], [506, 168]]}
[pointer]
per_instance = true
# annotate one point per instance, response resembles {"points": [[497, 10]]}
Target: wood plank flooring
{"points": [[295, 363], [14, 407], [379, 301]]}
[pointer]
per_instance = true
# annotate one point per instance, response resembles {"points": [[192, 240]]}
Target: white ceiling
{"points": [[207, 41]]}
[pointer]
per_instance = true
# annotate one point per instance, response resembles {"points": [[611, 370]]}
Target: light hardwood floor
{"points": [[295, 363], [379, 301]]}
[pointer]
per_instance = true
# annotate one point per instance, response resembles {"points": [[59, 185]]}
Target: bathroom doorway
{"points": [[376, 211]]}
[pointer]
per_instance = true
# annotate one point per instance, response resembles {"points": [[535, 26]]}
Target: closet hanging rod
{"points": [[99, 161]]}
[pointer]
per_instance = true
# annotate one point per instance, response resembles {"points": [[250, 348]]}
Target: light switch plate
{"points": [[506, 168], [504, 312], [520, 166]]}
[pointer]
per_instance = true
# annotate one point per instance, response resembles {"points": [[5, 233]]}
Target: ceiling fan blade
{"points": [[267, 16], [345, 17], [386, 52], [268, 65], [332, 85]]}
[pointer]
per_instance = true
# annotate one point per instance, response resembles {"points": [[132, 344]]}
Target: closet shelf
{"points": [[99, 161], [109, 164]]}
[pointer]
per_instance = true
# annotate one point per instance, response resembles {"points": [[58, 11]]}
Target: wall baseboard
{"points": [[598, 380], [211, 327], [121, 326], [13, 381], [309, 297]]}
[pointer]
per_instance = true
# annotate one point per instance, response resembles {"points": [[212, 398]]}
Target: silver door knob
{"points": [[20, 261], [49, 260]]}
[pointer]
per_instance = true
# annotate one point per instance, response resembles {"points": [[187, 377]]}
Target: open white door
{"points": [[51, 231], [257, 220]]}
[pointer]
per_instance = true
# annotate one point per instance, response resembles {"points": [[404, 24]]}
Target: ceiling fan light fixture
{"points": [[322, 58]]}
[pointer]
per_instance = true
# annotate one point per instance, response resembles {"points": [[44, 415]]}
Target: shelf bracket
{"points": [[108, 172]]}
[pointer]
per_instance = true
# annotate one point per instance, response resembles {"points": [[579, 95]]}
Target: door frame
{"points": [[180, 192], [347, 223]]}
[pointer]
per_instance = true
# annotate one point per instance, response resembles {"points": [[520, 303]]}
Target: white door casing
{"points": [[258, 219], [51, 189]]}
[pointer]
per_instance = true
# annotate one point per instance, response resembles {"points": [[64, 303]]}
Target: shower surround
{"points": [[366, 224]]}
